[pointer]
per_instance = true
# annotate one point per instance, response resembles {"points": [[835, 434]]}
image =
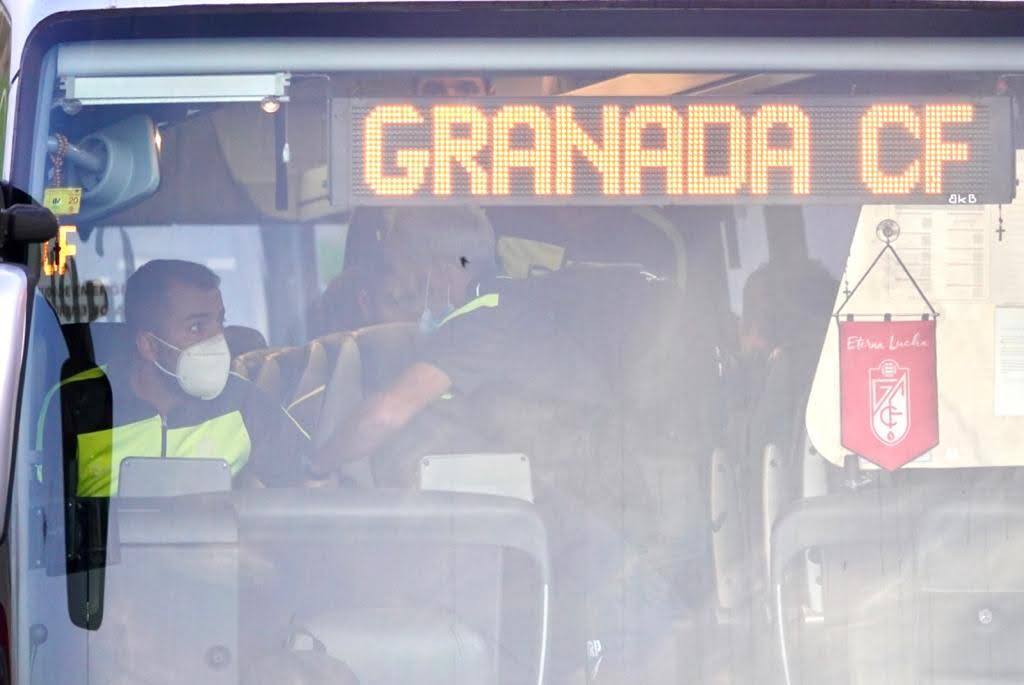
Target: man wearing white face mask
{"points": [[175, 395]]}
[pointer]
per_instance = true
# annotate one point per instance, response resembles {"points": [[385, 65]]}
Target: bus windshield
{"points": [[343, 375]]}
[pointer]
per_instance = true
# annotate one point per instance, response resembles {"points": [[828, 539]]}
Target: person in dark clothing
{"points": [[785, 301], [478, 332], [173, 394], [786, 309], [498, 370]]}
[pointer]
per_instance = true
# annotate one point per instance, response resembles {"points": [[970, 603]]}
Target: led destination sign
{"points": [[672, 151]]}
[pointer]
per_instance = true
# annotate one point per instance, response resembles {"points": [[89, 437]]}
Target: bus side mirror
{"points": [[24, 223], [115, 166]]}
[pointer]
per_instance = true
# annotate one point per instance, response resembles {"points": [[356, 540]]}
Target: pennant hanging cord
{"points": [[888, 230]]}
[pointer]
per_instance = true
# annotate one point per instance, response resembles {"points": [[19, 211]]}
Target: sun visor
{"points": [[247, 139]]}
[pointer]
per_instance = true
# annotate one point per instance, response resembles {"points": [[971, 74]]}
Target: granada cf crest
{"points": [[890, 402], [889, 390]]}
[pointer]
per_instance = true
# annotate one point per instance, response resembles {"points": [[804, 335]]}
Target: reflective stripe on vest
{"points": [[100, 453], [488, 300]]}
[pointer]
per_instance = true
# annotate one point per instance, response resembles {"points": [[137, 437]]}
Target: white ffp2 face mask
{"points": [[202, 370]]}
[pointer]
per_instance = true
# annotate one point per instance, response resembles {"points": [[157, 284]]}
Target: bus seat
{"points": [[323, 382], [275, 370], [176, 568], [729, 538], [242, 339], [304, 400], [402, 586], [777, 440], [426, 647], [331, 388], [358, 364], [920, 583], [342, 369], [756, 477]]}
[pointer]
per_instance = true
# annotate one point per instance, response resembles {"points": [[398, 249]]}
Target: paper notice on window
{"points": [[1009, 361], [916, 247], [947, 253], [965, 246]]}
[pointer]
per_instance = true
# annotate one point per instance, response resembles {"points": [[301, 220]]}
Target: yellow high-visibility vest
{"points": [[99, 453]]}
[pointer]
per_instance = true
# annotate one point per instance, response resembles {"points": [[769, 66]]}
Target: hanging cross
{"points": [[846, 289], [1000, 231]]}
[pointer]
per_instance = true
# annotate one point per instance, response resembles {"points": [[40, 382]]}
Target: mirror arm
{"points": [[81, 158]]}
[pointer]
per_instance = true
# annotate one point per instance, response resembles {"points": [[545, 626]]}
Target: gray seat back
{"points": [[407, 586], [920, 581]]}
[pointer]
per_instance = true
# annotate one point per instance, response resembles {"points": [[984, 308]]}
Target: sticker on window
{"points": [[63, 201]]}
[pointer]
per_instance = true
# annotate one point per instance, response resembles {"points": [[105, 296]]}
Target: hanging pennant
{"points": [[888, 379]]}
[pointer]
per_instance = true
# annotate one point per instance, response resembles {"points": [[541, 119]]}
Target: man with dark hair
{"points": [[173, 394], [785, 301], [146, 290]]}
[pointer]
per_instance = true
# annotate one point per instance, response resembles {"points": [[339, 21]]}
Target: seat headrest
{"points": [[342, 389], [276, 370], [354, 366], [242, 339]]}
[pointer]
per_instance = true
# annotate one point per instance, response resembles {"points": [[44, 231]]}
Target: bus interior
{"points": [[702, 524]]}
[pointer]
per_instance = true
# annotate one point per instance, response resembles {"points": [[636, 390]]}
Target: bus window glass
{"points": [[571, 377], [114, 252], [330, 251]]}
